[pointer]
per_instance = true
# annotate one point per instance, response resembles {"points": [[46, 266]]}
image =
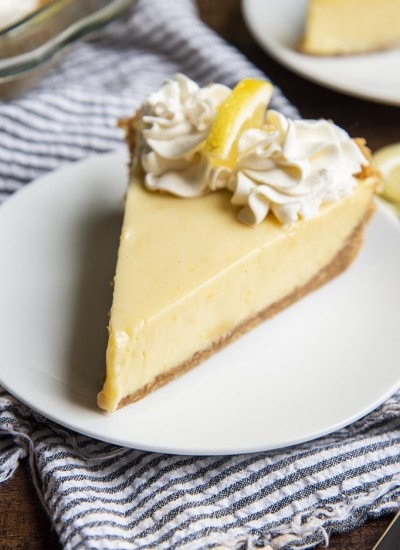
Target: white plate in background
{"points": [[277, 25]]}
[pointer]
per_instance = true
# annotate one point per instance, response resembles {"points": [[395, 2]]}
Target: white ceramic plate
{"points": [[316, 367], [277, 25]]}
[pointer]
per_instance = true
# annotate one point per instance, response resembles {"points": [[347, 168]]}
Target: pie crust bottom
{"points": [[336, 266]]}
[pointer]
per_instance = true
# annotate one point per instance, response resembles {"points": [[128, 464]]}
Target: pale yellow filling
{"points": [[351, 26], [188, 272]]}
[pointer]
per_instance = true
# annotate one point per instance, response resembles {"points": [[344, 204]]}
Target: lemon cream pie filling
{"points": [[232, 213]]}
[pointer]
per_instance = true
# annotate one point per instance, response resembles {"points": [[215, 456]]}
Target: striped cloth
{"points": [[102, 496]]}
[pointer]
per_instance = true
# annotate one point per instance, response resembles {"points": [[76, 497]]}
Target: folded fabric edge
{"points": [[315, 526]]}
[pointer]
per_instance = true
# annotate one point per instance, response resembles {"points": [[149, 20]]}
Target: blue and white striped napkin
{"points": [[102, 496]]}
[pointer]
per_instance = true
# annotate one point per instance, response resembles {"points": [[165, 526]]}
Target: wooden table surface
{"points": [[23, 523]]}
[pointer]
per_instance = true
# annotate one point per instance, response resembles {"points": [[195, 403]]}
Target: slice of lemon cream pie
{"points": [[232, 213], [342, 27]]}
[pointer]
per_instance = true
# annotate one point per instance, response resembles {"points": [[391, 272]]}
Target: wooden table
{"points": [[23, 523]]}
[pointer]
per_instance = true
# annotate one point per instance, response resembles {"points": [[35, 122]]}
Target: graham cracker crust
{"points": [[336, 266]]}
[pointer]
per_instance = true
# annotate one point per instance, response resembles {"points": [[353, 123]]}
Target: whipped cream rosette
{"points": [[291, 167], [176, 121]]}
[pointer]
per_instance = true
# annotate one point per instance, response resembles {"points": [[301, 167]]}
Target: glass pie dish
{"points": [[33, 44]]}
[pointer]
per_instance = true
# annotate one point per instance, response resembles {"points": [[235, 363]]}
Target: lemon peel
{"points": [[244, 108]]}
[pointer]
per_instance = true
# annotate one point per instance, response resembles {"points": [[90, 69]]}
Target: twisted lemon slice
{"points": [[244, 108]]}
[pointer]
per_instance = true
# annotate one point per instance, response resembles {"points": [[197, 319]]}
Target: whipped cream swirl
{"points": [[176, 121], [291, 167]]}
